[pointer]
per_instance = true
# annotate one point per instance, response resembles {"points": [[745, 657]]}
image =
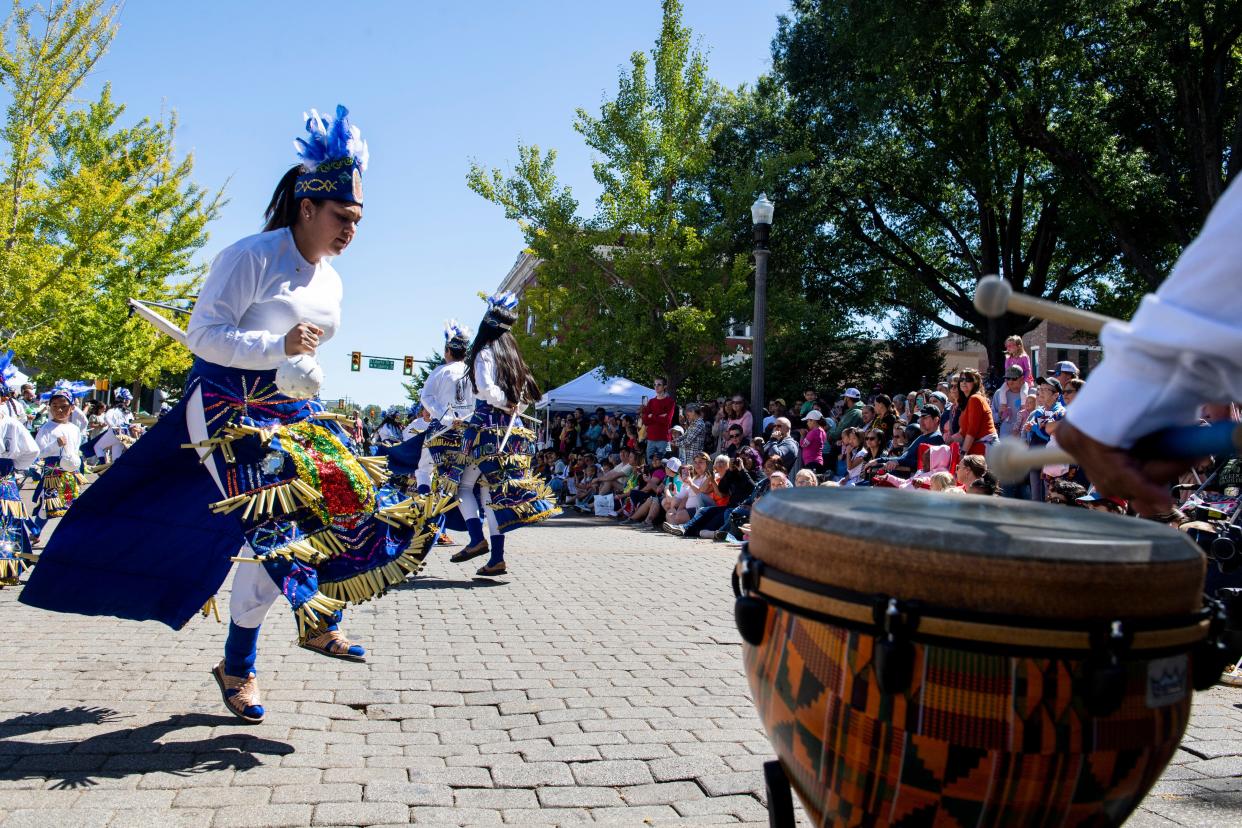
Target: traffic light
{"points": [[355, 361], [408, 367]]}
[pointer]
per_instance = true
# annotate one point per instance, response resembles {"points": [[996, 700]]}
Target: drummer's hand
{"points": [[890, 465], [1114, 471], [303, 338]]}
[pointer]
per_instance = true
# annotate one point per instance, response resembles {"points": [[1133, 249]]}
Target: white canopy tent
{"points": [[594, 390]]}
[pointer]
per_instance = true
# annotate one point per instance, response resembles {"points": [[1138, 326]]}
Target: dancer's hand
{"points": [[1116, 472], [303, 338], [62, 440]]}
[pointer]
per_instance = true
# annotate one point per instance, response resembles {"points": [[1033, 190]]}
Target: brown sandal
{"points": [[493, 570], [469, 552], [334, 645], [241, 695]]}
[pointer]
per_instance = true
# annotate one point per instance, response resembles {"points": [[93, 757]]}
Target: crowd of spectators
{"points": [[696, 469]]}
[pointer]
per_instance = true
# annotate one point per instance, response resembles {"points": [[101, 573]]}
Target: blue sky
{"points": [[433, 87]]}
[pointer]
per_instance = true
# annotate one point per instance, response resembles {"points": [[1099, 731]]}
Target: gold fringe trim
{"points": [[286, 497], [375, 582], [10, 568], [100, 469], [211, 608], [312, 549], [416, 510], [332, 415], [229, 435], [313, 615], [13, 508], [376, 468]]}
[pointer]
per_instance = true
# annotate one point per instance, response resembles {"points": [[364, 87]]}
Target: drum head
{"points": [[980, 553]]}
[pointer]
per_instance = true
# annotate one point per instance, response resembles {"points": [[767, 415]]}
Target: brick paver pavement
{"points": [[601, 682]]}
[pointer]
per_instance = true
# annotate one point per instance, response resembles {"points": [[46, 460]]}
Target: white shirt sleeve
{"points": [[231, 288], [1183, 347], [436, 397], [16, 444], [485, 379], [49, 445]]}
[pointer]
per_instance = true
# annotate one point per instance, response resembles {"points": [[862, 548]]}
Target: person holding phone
{"points": [[657, 418]]}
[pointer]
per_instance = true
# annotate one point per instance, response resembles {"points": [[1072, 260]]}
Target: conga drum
{"points": [[927, 660]]}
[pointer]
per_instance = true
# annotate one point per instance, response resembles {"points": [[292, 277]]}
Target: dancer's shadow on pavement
{"points": [[425, 582], [75, 763]]}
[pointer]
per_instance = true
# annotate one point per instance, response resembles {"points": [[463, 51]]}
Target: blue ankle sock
{"points": [[474, 527], [498, 550], [240, 649]]}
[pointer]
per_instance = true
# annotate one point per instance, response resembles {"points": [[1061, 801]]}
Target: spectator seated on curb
{"points": [[613, 480], [650, 511], [974, 477]]}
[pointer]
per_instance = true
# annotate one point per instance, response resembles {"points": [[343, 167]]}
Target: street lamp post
{"points": [[761, 217]]}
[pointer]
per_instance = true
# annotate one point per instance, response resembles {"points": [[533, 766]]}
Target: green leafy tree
{"points": [[913, 359], [646, 285], [98, 212], [954, 141]]}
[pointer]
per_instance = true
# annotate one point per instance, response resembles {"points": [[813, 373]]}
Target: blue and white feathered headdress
{"points": [[8, 374], [456, 335], [333, 157], [501, 309], [72, 391]]}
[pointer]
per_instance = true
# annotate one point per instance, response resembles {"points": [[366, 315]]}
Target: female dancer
{"points": [[154, 540], [495, 450], [17, 451]]}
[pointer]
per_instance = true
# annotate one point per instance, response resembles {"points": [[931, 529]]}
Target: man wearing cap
{"points": [[1064, 371], [812, 444], [1007, 402], [929, 435], [1042, 422], [1097, 502], [851, 417]]}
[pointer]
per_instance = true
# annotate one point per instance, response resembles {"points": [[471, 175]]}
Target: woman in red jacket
{"points": [[976, 428]]}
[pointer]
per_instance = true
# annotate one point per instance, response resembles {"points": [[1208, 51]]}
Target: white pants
{"points": [[470, 504], [254, 591], [422, 475]]}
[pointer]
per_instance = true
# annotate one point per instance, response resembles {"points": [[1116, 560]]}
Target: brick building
{"points": [[1048, 344]]}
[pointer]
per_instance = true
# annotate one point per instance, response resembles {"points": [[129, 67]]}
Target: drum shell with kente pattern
{"points": [[977, 738]]}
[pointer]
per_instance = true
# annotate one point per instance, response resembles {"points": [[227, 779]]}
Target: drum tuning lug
{"points": [[1104, 687], [894, 652], [751, 616]]}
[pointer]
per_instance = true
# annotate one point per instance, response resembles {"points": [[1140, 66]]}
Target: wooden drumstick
{"points": [[1010, 459], [994, 296]]}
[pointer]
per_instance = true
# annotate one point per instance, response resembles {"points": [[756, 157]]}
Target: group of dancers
{"points": [[46, 442], [240, 472]]}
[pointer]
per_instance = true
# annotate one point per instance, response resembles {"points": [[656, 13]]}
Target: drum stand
{"points": [[780, 796]]}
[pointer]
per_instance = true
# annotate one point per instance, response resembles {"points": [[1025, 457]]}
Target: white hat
{"points": [[678, 429], [814, 414], [673, 465], [853, 394]]}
